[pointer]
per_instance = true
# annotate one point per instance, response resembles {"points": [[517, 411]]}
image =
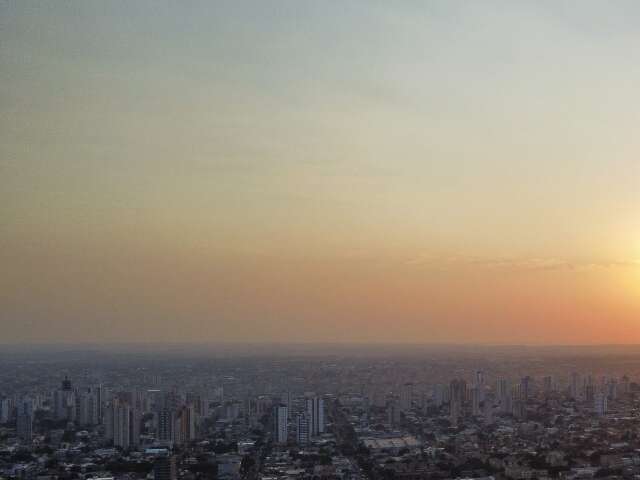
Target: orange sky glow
{"points": [[228, 171]]}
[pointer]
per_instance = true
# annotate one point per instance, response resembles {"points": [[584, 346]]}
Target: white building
{"points": [[88, 409], [122, 425]]}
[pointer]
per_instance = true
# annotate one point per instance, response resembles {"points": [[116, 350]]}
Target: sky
{"points": [[335, 171]]}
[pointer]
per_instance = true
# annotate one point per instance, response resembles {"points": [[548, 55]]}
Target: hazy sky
{"points": [[320, 171]]}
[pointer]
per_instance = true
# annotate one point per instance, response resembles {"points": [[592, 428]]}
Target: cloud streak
{"points": [[518, 263]]}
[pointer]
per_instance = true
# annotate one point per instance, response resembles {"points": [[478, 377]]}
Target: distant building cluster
{"points": [[326, 419]]}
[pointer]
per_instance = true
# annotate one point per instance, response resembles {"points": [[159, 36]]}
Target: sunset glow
{"points": [[320, 172]]}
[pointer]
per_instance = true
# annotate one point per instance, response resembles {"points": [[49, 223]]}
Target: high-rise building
{"points": [[518, 409], [201, 404], [88, 408], [315, 412], [24, 420], [218, 394], [575, 390], [302, 429], [406, 397], [503, 391], [262, 405], [164, 423], [5, 410], [612, 389], [288, 397], [185, 426], [480, 384], [458, 391], [393, 413], [600, 404], [457, 396], [122, 425], [280, 425], [475, 401], [99, 398], [438, 396], [624, 385], [64, 401], [589, 393], [525, 388], [502, 388]]}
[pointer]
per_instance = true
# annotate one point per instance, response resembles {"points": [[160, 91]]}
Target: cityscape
{"points": [[319, 240], [429, 412]]}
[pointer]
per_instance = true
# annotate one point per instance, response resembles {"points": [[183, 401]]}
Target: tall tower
{"points": [[574, 386], [438, 395], [315, 412], [289, 402], [480, 384], [393, 413], [458, 393], [406, 397], [302, 430], [5, 410], [525, 388], [164, 425], [122, 425], [99, 393], [65, 401], [280, 426], [88, 408], [186, 425], [24, 420], [475, 401]]}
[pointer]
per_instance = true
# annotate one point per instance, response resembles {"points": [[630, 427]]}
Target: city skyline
{"points": [[298, 172]]}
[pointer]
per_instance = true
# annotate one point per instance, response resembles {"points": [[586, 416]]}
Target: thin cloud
{"points": [[511, 263]]}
